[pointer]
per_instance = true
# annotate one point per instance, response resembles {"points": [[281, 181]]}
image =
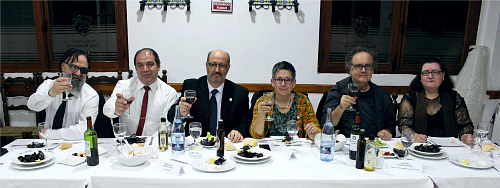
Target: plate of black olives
{"points": [[426, 149], [252, 154], [32, 158]]}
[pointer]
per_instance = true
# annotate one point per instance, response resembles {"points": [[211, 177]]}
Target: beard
{"points": [[77, 83], [220, 80]]}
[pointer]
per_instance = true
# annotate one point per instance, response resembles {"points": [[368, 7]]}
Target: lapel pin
{"points": [[230, 99]]}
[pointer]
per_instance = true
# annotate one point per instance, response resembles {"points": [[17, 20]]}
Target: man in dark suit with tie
{"points": [[216, 98]]}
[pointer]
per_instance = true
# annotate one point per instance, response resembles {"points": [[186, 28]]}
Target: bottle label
{"points": [[163, 140], [369, 157], [353, 146], [87, 148]]}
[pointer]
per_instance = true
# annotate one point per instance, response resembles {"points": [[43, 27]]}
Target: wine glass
{"points": [[119, 129], [407, 138], [195, 132], [128, 95], [42, 131], [292, 129], [190, 96], [269, 100], [66, 75], [352, 89]]}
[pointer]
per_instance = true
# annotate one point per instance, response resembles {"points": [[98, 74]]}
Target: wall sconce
{"points": [[281, 4], [165, 4]]}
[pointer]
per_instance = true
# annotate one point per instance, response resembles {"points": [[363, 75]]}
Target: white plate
{"points": [[412, 148], [446, 141], [203, 165], [388, 156], [279, 141], [443, 155], [24, 167], [72, 161], [250, 162], [474, 162], [266, 155], [48, 157]]}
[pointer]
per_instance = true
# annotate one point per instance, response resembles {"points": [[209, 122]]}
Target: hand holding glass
{"points": [[352, 89], [66, 75], [128, 95], [190, 96], [269, 100], [42, 131]]}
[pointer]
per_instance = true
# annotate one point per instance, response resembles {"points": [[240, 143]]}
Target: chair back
{"points": [[104, 84], [18, 86], [103, 125], [319, 110]]}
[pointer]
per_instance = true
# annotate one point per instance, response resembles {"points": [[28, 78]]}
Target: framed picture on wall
{"points": [[222, 5]]}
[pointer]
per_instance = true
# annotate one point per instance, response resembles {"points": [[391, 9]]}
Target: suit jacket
{"points": [[234, 110]]}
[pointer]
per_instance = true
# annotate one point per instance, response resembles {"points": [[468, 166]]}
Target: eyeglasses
{"points": [[73, 68], [287, 81], [359, 67], [221, 66], [434, 72]]}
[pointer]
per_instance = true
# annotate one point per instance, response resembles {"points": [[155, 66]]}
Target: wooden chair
{"points": [[104, 84], [319, 110], [12, 87]]}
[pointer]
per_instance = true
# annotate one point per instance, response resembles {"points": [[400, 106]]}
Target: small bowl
{"points": [[126, 158], [338, 146], [342, 140]]}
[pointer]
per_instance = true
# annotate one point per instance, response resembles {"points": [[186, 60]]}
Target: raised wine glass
{"points": [[292, 129], [128, 95], [407, 138], [119, 129], [42, 131], [66, 75], [352, 89], [269, 100], [195, 131], [190, 96]]}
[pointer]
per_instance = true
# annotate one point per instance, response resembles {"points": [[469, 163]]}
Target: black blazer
{"points": [[234, 109]]}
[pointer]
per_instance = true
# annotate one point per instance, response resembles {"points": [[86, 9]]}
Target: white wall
{"points": [[257, 40]]}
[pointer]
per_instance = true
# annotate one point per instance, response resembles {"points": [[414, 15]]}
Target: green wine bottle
{"points": [[91, 144]]}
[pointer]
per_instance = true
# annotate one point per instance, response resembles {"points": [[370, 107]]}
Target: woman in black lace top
{"points": [[433, 108]]}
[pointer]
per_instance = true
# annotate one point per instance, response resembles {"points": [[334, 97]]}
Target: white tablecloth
{"points": [[306, 170]]}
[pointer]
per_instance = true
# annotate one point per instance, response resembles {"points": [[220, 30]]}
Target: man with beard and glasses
{"points": [[152, 96], [216, 98], [68, 118], [373, 102]]}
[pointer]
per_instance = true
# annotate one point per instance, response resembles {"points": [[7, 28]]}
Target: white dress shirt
{"points": [[160, 97], [81, 105], [218, 97]]}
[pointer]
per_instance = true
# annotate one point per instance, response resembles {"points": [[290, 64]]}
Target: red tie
{"points": [[144, 109]]}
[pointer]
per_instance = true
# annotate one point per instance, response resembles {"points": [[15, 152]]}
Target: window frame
{"points": [[46, 62], [395, 64]]}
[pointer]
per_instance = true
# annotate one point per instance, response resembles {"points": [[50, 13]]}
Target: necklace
{"points": [[289, 103]]}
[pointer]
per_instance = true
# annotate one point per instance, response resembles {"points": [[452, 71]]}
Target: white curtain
{"points": [[471, 82]]}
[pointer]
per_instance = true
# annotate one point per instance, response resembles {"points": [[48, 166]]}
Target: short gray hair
{"points": [[354, 51], [283, 65]]}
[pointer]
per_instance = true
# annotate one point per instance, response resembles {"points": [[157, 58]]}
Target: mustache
{"points": [[216, 73]]}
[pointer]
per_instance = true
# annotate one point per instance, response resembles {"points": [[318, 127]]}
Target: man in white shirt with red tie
{"points": [[68, 118], [153, 97]]}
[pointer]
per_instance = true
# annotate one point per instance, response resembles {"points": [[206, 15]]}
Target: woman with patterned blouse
{"points": [[433, 108], [289, 105]]}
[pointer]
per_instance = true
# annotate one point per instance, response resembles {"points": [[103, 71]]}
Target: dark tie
{"points": [[144, 109], [213, 113], [58, 118]]}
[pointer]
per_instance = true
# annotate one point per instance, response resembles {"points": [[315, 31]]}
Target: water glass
{"points": [[120, 129], [407, 138], [42, 131], [195, 132], [292, 129]]}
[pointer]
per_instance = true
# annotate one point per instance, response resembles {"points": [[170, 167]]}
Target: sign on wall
{"points": [[222, 5]]}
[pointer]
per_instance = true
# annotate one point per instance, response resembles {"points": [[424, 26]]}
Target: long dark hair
{"points": [[447, 84], [72, 54]]}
